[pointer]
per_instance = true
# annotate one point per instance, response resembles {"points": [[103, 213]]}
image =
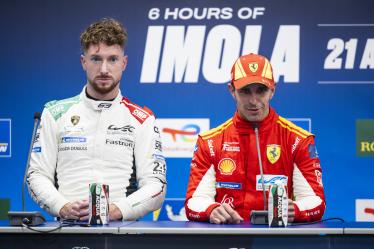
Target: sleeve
{"points": [[42, 168], [201, 190], [309, 198], [150, 172]]}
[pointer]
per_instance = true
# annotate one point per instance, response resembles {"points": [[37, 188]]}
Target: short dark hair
{"points": [[107, 30]]}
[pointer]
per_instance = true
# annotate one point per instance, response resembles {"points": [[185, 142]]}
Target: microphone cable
{"points": [[316, 222]]}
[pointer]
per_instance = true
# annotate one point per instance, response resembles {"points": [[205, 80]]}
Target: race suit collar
{"points": [[100, 105], [244, 126]]}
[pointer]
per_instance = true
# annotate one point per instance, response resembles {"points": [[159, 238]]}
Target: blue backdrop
{"points": [[180, 56]]}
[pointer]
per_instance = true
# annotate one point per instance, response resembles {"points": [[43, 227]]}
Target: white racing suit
{"points": [[82, 141]]}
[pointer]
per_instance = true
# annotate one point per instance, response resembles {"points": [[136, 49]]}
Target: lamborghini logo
{"points": [[75, 120], [253, 66], [273, 152]]}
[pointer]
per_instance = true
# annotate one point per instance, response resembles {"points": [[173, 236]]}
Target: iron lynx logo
{"points": [[5, 138], [365, 137]]}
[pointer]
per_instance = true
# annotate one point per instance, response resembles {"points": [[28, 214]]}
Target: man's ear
{"points": [[83, 62], [125, 60], [272, 93], [231, 89]]}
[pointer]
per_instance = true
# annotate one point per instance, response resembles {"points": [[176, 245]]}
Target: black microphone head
{"points": [[37, 115], [255, 125]]}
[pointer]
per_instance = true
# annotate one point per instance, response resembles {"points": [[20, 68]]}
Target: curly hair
{"points": [[107, 30]]}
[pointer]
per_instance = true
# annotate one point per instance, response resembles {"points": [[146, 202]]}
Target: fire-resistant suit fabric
{"points": [[225, 168], [81, 141]]}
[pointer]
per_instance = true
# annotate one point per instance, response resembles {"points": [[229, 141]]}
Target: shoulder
{"points": [[139, 113], [217, 131], [289, 127], [58, 107]]}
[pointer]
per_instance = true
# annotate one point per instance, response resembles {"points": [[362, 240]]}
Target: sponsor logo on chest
{"points": [[231, 146], [273, 152], [269, 180], [226, 166]]}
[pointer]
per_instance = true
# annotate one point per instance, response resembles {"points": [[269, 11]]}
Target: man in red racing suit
{"points": [[225, 181]]}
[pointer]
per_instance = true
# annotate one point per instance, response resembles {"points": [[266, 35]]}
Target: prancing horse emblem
{"points": [[273, 152]]}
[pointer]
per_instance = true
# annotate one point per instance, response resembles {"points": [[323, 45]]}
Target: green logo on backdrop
{"points": [[365, 137], [4, 208]]}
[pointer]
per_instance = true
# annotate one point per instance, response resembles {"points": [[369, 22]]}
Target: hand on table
{"points": [[77, 210], [224, 214]]}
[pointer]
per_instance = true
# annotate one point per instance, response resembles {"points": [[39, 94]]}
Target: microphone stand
{"points": [[36, 122], [260, 217], [24, 218]]}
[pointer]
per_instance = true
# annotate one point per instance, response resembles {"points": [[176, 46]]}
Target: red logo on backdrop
{"points": [[369, 211]]}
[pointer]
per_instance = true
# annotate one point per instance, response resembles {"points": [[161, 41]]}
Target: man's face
{"points": [[104, 66], [252, 101]]}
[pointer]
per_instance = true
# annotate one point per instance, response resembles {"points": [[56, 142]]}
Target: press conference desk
{"points": [[167, 234]]}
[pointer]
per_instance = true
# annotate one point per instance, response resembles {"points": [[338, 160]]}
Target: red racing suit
{"points": [[225, 168]]}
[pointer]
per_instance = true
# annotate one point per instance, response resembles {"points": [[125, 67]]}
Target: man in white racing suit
{"points": [[98, 136]]}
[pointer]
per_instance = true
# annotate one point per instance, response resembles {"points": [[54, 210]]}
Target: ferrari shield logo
{"points": [[273, 152], [75, 120], [253, 66]]}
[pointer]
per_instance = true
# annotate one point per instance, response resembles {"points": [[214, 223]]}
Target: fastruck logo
{"points": [[125, 143], [231, 146]]}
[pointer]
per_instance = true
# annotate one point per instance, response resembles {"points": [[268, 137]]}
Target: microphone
{"points": [[260, 217], [36, 122], [23, 218]]}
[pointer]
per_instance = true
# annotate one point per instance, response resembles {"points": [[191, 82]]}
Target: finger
{"points": [[217, 218], [226, 216], [223, 215], [73, 214], [70, 215], [84, 218], [75, 206], [84, 212], [84, 203], [234, 216]]}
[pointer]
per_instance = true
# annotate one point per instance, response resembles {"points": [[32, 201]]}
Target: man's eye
{"points": [[261, 90], [95, 59], [113, 59], [245, 91]]}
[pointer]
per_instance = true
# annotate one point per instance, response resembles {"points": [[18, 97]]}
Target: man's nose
{"points": [[104, 67], [252, 99]]}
